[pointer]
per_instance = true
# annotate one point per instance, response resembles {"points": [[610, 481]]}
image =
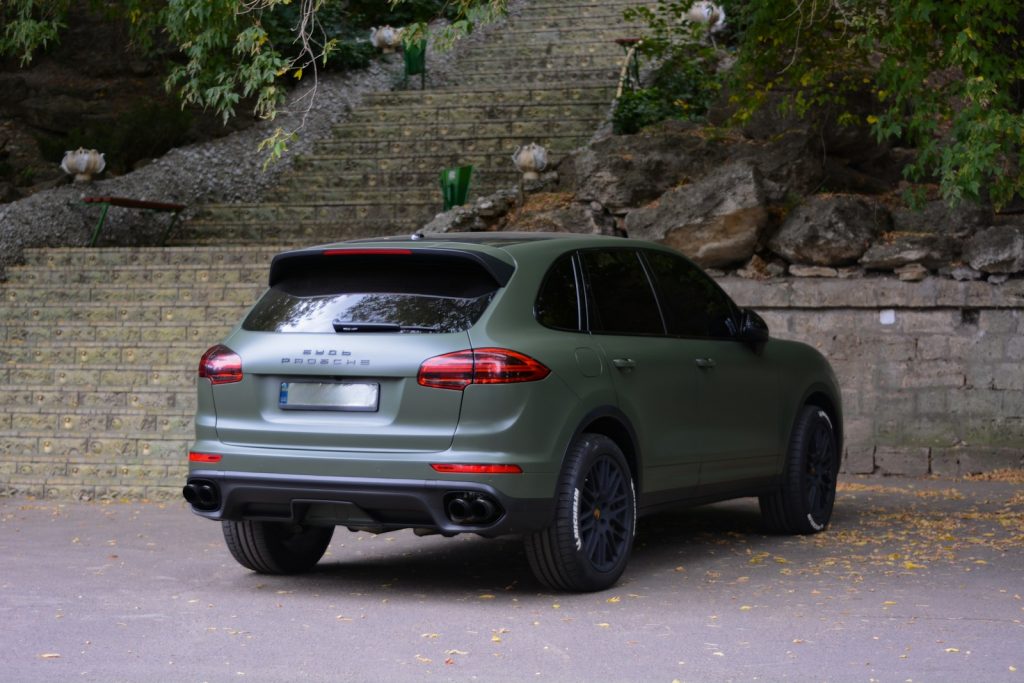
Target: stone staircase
{"points": [[100, 346]]}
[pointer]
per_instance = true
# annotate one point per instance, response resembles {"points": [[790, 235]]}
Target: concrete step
{"points": [[85, 355], [95, 423], [99, 376], [115, 399], [90, 259], [420, 162], [598, 74], [418, 130], [567, 64], [116, 293], [88, 313], [20, 332], [483, 181], [481, 110], [490, 95], [408, 147], [157, 276], [292, 234]]}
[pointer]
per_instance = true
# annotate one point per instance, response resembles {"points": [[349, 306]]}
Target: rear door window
{"points": [[621, 298], [559, 305], [352, 294]]}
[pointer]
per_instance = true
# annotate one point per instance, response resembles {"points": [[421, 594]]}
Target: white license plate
{"points": [[357, 396]]}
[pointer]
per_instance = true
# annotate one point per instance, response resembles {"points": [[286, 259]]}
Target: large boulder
{"points": [[830, 230], [790, 164], [895, 249], [999, 249], [624, 171], [937, 217], [716, 221]]}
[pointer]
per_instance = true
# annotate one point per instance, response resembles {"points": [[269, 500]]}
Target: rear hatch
{"points": [[330, 353]]}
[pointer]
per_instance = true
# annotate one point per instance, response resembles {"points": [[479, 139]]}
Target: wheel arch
{"points": [[613, 423]]}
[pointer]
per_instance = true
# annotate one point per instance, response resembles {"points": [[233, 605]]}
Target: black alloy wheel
{"points": [[588, 544], [605, 514]]}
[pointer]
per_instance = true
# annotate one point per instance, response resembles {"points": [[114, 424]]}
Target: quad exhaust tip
{"points": [[472, 508], [202, 494]]}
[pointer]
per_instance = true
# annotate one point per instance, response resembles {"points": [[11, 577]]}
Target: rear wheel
{"points": [[276, 547], [803, 504], [587, 546]]}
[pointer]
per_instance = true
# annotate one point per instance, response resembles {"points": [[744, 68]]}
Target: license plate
{"points": [[356, 396]]}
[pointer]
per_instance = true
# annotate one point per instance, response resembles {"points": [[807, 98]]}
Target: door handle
{"points": [[705, 363], [624, 363]]}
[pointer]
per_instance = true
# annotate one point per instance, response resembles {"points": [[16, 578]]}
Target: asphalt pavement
{"points": [[915, 580]]}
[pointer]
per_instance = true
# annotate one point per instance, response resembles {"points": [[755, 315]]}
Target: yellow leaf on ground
{"points": [[614, 599]]}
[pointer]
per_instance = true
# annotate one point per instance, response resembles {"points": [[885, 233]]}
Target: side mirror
{"points": [[753, 328]]}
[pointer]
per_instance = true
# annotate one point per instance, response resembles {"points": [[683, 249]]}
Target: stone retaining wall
{"points": [[932, 373]]}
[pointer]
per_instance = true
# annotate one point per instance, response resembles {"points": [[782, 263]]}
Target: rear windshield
{"points": [[350, 295]]}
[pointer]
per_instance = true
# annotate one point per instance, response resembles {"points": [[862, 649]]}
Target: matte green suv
{"points": [[552, 386]]}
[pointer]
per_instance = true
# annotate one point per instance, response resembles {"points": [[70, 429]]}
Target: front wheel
{"points": [[803, 503], [276, 547], [587, 546]]}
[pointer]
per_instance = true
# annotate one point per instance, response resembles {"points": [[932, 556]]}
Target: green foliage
{"points": [[685, 80], [30, 25], [946, 77]]}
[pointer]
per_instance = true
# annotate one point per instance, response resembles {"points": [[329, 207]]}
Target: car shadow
{"points": [[466, 566]]}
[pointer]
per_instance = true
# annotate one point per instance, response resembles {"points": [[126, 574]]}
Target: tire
{"points": [[587, 546], [276, 547], [803, 504]]}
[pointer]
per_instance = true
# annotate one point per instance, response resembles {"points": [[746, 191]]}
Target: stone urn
{"points": [[385, 38], [83, 164], [710, 14], [530, 159]]}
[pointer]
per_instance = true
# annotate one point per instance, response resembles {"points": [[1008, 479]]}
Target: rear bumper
{"points": [[378, 504]]}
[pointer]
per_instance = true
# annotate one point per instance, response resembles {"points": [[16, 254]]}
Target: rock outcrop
{"points": [[830, 230], [716, 221]]}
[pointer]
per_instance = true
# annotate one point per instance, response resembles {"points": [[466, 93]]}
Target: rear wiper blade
{"points": [[356, 326], [361, 326]]}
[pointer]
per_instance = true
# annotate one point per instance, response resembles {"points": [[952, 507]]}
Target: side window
{"points": [[622, 301], [694, 305], [558, 303]]}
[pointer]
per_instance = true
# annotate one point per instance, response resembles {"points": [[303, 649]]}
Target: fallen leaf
{"points": [[746, 608], [430, 636], [425, 660], [603, 624], [456, 652], [952, 649], [614, 599], [486, 596], [49, 655]]}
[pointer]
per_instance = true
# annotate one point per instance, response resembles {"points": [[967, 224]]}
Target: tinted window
{"points": [[375, 294], [558, 303], [694, 305], [622, 301]]}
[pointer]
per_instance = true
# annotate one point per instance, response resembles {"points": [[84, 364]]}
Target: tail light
{"points": [[479, 366], [221, 365]]}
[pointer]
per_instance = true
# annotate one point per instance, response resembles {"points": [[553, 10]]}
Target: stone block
{"points": [[999, 321], [932, 402], [1009, 376], [859, 460], [904, 461], [933, 373], [958, 462]]}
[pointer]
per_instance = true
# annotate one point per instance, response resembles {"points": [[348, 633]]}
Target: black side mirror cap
{"points": [[753, 328]]}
